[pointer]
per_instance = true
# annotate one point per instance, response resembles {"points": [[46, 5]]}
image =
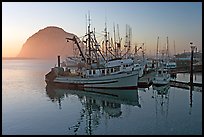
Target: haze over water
{"points": [[31, 108]]}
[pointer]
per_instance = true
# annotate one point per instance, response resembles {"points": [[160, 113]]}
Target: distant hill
{"points": [[47, 43]]}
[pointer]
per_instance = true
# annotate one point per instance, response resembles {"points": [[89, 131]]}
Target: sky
{"points": [[179, 21]]}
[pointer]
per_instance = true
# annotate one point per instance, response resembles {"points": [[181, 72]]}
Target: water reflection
{"points": [[95, 104], [161, 96], [162, 90], [191, 100]]}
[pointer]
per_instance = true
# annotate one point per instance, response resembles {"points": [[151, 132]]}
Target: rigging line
{"points": [[81, 37], [98, 36], [100, 41], [99, 33]]}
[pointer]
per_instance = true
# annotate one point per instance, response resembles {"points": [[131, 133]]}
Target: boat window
{"points": [[107, 71], [103, 71], [90, 72], [94, 71], [117, 69], [159, 72], [111, 70]]}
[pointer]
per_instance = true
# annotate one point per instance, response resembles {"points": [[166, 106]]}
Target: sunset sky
{"points": [[180, 21]]}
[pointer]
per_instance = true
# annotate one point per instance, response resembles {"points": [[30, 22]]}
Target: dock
{"points": [[179, 84], [185, 85], [146, 81]]}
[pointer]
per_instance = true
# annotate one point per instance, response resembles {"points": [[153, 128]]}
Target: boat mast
{"points": [[143, 51], [115, 47], [89, 40], [106, 48], [167, 50], [126, 40], [174, 48], [129, 40], [135, 53], [119, 42], [86, 23], [157, 51]]}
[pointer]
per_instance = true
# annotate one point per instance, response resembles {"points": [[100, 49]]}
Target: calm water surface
{"points": [[31, 107]]}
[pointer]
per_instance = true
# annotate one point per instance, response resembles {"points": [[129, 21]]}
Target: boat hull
{"points": [[126, 80], [160, 81]]}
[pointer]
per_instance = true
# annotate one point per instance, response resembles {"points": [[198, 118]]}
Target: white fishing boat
{"points": [[116, 74], [140, 68], [94, 70], [162, 77]]}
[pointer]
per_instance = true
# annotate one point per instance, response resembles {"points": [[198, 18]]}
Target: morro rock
{"points": [[48, 43]]}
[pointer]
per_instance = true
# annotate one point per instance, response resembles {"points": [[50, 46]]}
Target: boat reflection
{"points": [[162, 90], [161, 96], [96, 103]]}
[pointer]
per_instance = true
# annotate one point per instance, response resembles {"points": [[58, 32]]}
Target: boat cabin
{"points": [[111, 67]]}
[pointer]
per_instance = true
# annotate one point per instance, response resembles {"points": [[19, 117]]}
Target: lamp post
{"points": [[191, 68], [191, 74]]}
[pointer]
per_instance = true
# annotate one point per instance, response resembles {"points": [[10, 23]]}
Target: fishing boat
{"points": [[162, 76], [116, 74], [94, 70], [138, 66]]}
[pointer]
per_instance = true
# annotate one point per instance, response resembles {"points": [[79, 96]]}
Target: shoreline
{"points": [[22, 58]]}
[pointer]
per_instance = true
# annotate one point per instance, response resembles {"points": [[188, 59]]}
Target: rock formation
{"points": [[48, 43]]}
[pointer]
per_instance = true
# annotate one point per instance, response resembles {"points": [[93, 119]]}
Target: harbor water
{"points": [[30, 107]]}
